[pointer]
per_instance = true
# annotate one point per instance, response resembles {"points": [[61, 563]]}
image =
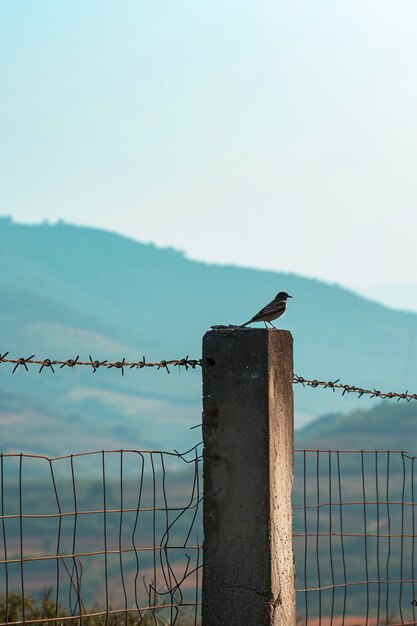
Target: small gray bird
{"points": [[271, 311]]}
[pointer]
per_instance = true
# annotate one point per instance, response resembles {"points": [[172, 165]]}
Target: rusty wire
{"points": [[354, 535], [95, 364], [105, 533], [190, 363], [373, 393]]}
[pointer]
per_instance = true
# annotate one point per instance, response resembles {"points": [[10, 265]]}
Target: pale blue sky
{"points": [[274, 134]]}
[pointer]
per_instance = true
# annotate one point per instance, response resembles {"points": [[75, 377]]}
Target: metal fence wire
{"points": [[114, 537], [108, 537], [355, 537], [50, 364]]}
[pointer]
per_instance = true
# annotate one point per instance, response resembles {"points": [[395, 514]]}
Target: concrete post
{"points": [[248, 575]]}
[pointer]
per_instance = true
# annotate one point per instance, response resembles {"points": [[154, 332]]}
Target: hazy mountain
{"points": [[389, 425], [68, 291]]}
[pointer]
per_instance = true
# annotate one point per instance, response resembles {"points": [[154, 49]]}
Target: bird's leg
{"points": [[265, 325], [273, 325]]}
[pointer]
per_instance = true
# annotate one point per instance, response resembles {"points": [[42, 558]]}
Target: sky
{"points": [[271, 134]]}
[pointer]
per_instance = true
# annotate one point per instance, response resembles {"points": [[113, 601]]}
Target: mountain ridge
{"points": [[69, 290]]}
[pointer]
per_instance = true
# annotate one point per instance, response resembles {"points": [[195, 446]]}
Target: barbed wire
{"points": [[95, 364], [189, 363], [336, 384]]}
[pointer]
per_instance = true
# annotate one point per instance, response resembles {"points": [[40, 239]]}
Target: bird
{"points": [[271, 311]]}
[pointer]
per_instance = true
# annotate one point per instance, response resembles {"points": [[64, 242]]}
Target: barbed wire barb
{"points": [[71, 362]]}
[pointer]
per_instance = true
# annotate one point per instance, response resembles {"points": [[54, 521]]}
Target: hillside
{"points": [[67, 290], [389, 425]]}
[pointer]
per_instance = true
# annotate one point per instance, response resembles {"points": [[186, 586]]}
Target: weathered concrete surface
{"points": [[248, 434]]}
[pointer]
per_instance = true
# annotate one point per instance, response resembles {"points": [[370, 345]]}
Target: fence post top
{"points": [[232, 329]]}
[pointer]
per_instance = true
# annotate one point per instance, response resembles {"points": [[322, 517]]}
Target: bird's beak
{"points": [[289, 296]]}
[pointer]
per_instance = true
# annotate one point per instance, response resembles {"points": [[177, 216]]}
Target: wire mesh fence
{"points": [[106, 537], [115, 537], [355, 537]]}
